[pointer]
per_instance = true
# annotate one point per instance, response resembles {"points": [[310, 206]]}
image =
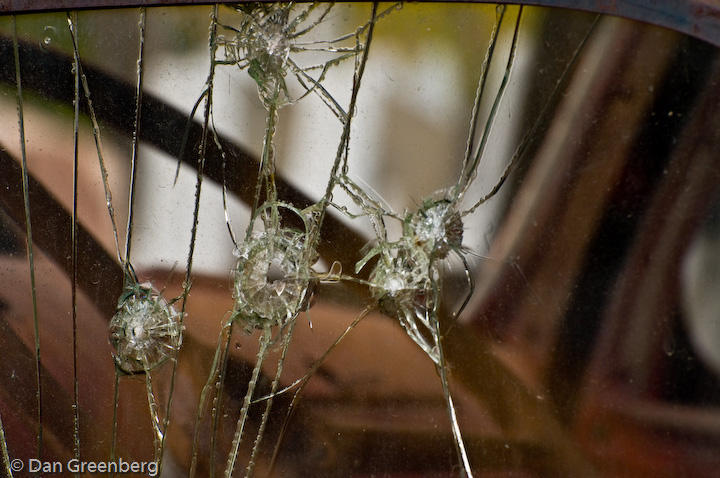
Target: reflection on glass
{"points": [[401, 239]]}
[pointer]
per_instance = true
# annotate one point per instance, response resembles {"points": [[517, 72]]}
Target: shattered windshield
{"points": [[355, 240]]}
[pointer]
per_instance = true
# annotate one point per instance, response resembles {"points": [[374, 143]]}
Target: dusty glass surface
{"points": [[357, 240]]}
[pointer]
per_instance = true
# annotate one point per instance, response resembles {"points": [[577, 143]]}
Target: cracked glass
{"points": [[357, 240]]}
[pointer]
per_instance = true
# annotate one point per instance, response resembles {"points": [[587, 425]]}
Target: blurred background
{"points": [[591, 343]]}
